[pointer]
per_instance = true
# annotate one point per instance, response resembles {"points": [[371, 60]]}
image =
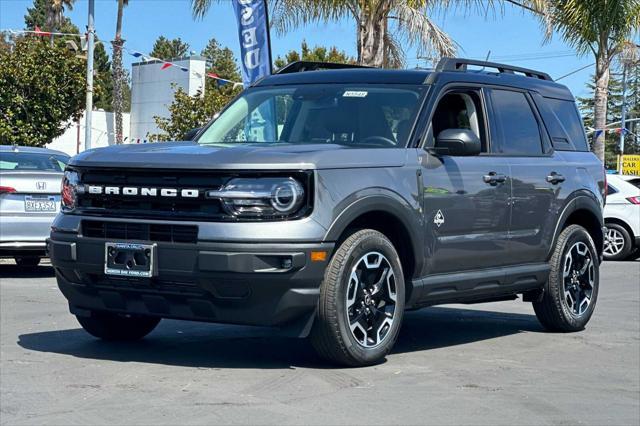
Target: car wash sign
{"points": [[253, 29], [631, 165]]}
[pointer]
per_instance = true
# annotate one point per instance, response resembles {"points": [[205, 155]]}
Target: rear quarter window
{"points": [[569, 118]]}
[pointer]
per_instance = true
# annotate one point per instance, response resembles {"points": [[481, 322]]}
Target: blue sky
{"points": [[514, 37]]}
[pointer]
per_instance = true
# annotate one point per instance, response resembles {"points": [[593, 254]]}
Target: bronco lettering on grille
{"points": [[143, 192]]}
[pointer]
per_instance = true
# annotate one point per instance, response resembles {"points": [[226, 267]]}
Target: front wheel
{"points": [[572, 290], [361, 301], [108, 326]]}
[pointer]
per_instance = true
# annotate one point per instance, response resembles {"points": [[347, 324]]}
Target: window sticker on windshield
{"points": [[355, 94]]}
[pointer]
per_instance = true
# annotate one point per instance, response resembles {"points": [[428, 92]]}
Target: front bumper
{"points": [[240, 283]]}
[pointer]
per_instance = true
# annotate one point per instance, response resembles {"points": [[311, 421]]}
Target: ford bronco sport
{"points": [[327, 202]]}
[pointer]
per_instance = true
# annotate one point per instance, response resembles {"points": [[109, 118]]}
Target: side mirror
{"points": [[191, 134], [457, 142]]}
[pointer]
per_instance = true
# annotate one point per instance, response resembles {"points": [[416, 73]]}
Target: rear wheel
{"points": [[572, 290], [108, 326], [617, 242], [27, 261], [361, 301]]}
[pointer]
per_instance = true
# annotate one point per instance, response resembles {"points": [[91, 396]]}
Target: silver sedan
{"points": [[29, 200]]}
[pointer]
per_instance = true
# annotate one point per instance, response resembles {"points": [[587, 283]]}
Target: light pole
{"points": [[89, 103]]}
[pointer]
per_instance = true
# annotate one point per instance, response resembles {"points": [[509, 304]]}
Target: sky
{"points": [[514, 37]]}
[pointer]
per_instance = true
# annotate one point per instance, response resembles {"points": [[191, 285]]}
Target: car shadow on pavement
{"points": [[182, 343], [15, 271]]}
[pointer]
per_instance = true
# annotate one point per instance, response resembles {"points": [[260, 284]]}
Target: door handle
{"points": [[494, 178], [555, 178]]}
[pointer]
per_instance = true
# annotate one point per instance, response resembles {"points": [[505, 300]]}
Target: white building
{"points": [[152, 91], [102, 134]]}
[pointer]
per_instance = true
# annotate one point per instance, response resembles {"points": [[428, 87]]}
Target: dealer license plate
{"points": [[129, 259]]}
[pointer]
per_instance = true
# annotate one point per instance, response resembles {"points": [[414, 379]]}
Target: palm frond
{"points": [[288, 14], [199, 8], [420, 31], [394, 56]]}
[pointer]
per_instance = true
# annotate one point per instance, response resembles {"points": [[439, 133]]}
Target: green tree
{"points": [[42, 90], [48, 15], [222, 60], [189, 112], [601, 28], [316, 54], [166, 49], [614, 113]]}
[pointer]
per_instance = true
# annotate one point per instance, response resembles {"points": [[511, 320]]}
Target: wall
{"points": [[103, 134], [152, 91]]}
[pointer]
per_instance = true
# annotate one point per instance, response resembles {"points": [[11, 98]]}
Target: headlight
{"points": [[261, 197], [69, 190]]}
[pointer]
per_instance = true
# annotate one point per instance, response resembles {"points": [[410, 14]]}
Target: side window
{"points": [[611, 190], [569, 118], [516, 123], [460, 109]]}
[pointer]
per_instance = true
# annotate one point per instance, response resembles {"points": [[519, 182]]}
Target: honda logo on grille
{"points": [[41, 186], [142, 191]]}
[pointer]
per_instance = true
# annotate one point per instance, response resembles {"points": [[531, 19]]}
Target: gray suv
{"points": [[326, 200]]}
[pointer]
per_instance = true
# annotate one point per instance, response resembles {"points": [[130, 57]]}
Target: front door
{"points": [[466, 198]]}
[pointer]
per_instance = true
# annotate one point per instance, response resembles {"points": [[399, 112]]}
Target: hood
{"points": [[180, 155]]}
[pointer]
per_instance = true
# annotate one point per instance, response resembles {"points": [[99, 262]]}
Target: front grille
{"points": [[179, 208], [200, 208], [140, 231]]}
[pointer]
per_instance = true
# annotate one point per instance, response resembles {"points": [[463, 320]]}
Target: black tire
{"points": [[110, 326], [626, 246], [554, 311], [27, 261], [635, 254], [331, 335]]}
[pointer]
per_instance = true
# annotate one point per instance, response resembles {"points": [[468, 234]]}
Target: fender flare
{"points": [[380, 200], [579, 200]]}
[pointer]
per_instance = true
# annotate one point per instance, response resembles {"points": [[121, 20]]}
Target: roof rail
{"points": [[460, 64], [301, 66]]}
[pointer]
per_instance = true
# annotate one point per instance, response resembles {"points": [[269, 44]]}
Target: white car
{"points": [[622, 217]]}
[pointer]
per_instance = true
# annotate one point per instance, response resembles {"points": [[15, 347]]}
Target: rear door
{"points": [[537, 174]]}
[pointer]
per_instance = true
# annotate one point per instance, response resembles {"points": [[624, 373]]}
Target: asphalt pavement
{"points": [[487, 364]]}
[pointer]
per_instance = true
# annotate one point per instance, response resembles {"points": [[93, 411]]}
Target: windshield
{"points": [[356, 116], [28, 161]]}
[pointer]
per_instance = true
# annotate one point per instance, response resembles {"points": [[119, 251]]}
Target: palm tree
{"points": [[118, 72], [602, 28], [55, 14], [382, 26]]}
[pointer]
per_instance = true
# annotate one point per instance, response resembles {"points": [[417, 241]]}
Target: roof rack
{"points": [[301, 66], [460, 64]]}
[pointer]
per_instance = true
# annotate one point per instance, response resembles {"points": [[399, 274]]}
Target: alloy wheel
{"points": [[579, 278], [613, 242], [371, 299]]}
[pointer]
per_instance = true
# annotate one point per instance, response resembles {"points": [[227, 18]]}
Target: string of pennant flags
{"points": [[168, 64], [136, 54], [615, 130]]}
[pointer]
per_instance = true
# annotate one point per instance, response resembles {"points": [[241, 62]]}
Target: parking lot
{"points": [[482, 364]]}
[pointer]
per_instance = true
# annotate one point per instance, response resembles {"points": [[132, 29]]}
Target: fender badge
{"points": [[438, 219]]}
